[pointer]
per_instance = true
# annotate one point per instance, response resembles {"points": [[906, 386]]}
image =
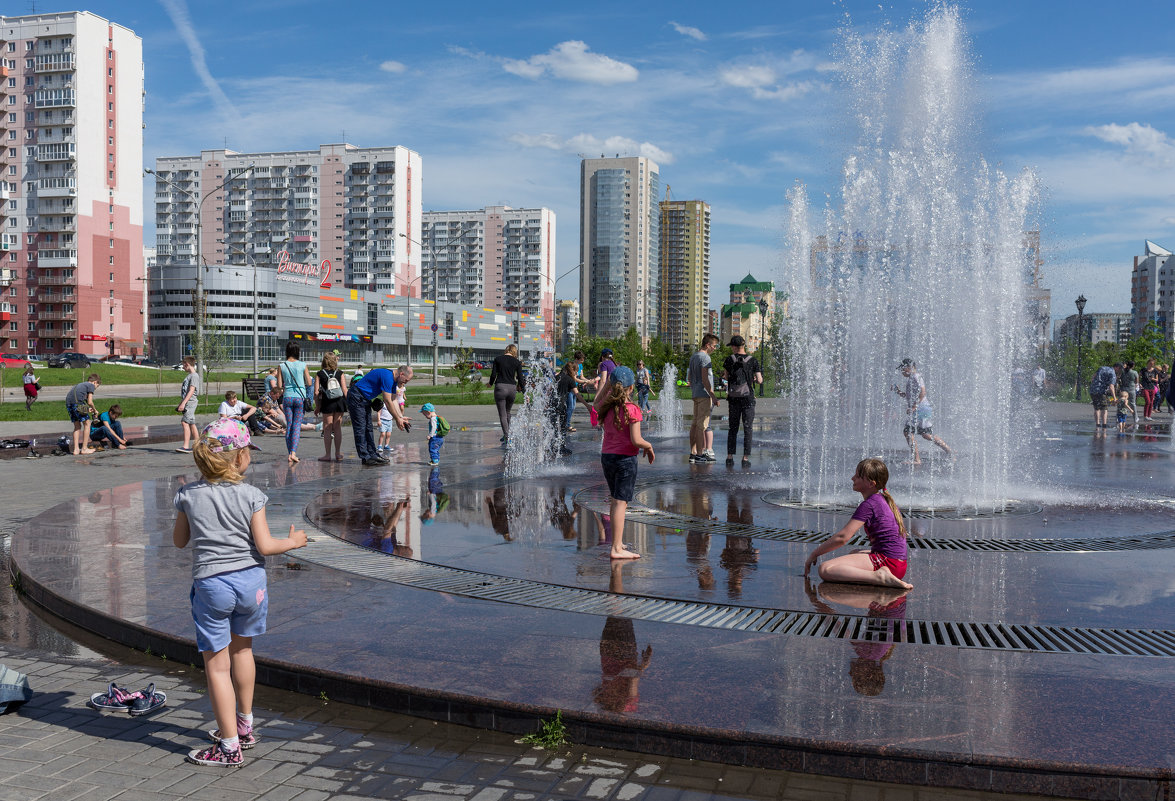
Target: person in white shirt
{"points": [[234, 408]]}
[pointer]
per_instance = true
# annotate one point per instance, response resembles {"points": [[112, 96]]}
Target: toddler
{"points": [[1125, 410], [436, 439], [387, 424], [224, 519]]}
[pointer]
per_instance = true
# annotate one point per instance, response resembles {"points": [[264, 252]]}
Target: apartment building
{"points": [[1152, 290], [749, 312], [71, 191], [619, 241], [349, 215], [684, 264], [498, 256], [1097, 327]]}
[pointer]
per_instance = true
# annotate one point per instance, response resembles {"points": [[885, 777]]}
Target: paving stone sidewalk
{"points": [[55, 748]]}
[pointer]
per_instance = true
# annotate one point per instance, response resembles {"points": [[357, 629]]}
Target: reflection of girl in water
{"points": [[886, 611], [499, 519], [884, 562], [620, 667]]}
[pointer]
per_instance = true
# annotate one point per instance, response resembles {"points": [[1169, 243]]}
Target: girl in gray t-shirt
{"points": [[224, 519]]}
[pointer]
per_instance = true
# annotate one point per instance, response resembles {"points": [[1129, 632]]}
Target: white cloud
{"points": [[763, 81], [691, 32], [392, 66], [573, 61], [178, 11], [590, 145], [1124, 84], [1139, 139]]}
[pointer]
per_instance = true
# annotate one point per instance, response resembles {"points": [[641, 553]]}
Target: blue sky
{"points": [[736, 101]]}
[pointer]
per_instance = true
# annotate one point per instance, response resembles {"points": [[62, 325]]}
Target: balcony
{"points": [[54, 62], [57, 280], [58, 262], [54, 98], [56, 297], [57, 315], [57, 191], [50, 224]]}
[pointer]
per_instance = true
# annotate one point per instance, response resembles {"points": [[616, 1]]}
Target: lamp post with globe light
{"points": [[1080, 334], [762, 338]]}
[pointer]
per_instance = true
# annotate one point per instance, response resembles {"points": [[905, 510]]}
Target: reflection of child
{"points": [[620, 666], [886, 611], [438, 499], [224, 519], [1125, 410]]}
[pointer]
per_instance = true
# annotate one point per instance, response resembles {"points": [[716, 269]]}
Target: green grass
{"points": [[131, 408], [111, 374]]}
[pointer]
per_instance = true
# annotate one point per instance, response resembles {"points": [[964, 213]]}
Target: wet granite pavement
{"points": [[983, 718]]}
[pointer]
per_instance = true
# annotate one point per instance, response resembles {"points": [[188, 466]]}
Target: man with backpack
{"points": [[741, 372], [1102, 391]]}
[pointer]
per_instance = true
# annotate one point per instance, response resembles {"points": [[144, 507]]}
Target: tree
{"points": [[217, 348], [1151, 343]]}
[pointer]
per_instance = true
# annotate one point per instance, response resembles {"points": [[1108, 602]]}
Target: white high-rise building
{"points": [[499, 257], [71, 228], [619, 243]]}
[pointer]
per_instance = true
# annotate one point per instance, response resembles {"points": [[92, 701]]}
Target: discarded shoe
{"points": [[115, 699], [147, 701]]}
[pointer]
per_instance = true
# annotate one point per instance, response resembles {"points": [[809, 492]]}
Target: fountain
{"points": [[536, 436], [667, 406], [924, 259]]}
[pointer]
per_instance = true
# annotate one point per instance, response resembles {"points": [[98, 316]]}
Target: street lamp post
{"points": [[200, 304], [555, 299], [1080, 332], [435, 288], [762, 337]]}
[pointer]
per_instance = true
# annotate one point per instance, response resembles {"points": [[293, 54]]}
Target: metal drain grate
{"points": [[596, 499], [337, 554]]}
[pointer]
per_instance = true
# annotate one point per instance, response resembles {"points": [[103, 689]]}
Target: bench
{"points": [[253, 388]]}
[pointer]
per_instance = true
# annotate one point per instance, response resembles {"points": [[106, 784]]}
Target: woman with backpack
{"points": [[331, 400]]}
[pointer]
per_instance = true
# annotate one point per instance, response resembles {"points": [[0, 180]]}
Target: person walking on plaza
{"points": [[189, 400], [567, 390], [1148, 387], [331, 401], [621, 420], [741, 373], [294, 379], [644, 382], [885, 561], [377, 383], [506, 379], [919, 412], [224, 519], [701, 385], [31, 387]]}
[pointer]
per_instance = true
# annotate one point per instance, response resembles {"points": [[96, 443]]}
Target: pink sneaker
{"points": [[215, 756], [248, 738]]}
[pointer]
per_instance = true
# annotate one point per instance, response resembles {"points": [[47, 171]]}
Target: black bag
{"points": [[15, 443], [37, 386], [740, 378], [307, 403]]}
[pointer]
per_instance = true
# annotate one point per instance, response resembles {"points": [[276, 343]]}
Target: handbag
{"points": [[307, 404], [37, 386]]}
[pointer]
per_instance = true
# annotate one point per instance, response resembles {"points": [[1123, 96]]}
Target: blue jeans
{"points": [[101, 432], [359, 408], [642, 397], [434, 448], [570, 409]]}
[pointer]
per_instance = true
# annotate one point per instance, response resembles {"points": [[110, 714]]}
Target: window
{"points": [[112, 260], [14, 326], [110, 107], [109, 89], [12, 47], [28, 64], [110, 140], [12, 83], [110, 72], [110, 123], [111, 243], [112, 281], [32, 327], [32, 309]]}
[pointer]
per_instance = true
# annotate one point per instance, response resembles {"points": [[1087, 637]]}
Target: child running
{"points": [[225, 520], [621, 420], [885, 561]]}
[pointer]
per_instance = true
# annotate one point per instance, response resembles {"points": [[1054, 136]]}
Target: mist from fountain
{"points": [[926, 259], [536, 437]]}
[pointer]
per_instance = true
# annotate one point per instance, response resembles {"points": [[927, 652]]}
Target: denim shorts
{"points": [[387, 426], [620, 472], [235, 602]]}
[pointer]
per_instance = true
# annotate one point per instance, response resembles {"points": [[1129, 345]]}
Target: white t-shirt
{"points": [[915, 386], [235, 410], [385, 416]]}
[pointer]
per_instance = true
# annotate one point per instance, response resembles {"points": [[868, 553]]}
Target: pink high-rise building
{"points": [[71, 229]]}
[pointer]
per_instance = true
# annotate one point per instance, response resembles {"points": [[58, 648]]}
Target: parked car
{"points": [[13, 360], [68, 360], [147, 361]]}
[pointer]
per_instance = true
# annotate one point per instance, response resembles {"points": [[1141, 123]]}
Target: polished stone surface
{"points": [[837, 703]]}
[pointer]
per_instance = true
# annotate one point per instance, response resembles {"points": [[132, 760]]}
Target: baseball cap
{"points": [[226, 434], [736, 341], [624, 376], [428, 407], [606, 352], [906, 363]]}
